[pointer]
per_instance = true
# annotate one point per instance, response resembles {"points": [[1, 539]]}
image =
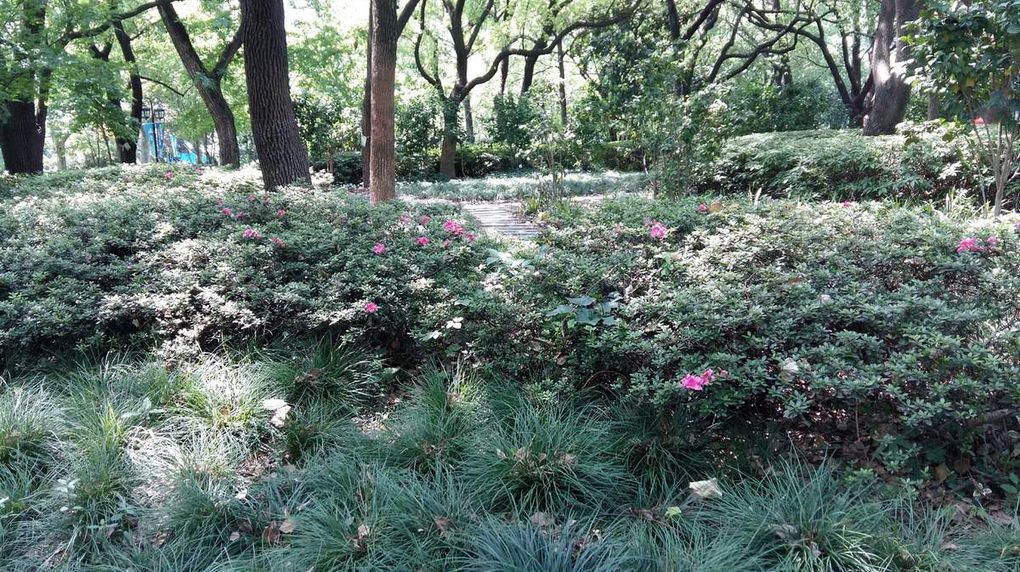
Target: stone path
{"points": [[501, 219]]}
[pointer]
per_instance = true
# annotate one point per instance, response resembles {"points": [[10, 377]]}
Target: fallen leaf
{"points": [[543, 519], [273, 404], [287, 526], [443, 524], [706, 489]]}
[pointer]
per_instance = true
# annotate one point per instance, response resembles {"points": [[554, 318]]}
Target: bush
{"points": [[134, 256], [816, 312], [927, 164]]}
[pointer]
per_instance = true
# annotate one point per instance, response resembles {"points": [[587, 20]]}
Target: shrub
{"points": [[927, 164], [134, 257], [816, 312]]}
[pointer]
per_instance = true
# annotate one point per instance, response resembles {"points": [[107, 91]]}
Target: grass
{"points": [[143, 464], [316, 456]]}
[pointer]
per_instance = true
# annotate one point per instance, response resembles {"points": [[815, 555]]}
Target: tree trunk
{"points": [[469, 121], [207, 83], [282, 153], [22, 138], [448, 152], [384, 69], [504, 73], [889, 58], [127, 148], [562, 83], [23, 132], [366, 108], [529, 72]]}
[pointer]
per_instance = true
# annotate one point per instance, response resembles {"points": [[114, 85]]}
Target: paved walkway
{"points": [[502, 219]]}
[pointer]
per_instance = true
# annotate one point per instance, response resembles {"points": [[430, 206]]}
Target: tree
{"points": [[388, 26], [36, 38], [970, 59], [208, 81], [464, 22], [282, 154], [890, 56]]}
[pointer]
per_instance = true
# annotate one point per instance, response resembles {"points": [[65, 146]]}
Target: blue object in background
{"points": [[170, 148]]}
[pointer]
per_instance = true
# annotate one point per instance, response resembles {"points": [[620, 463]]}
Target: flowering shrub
{"points": [[124, 259], [818, 312]]}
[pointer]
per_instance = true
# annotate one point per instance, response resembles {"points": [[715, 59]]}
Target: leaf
{"points": [[706, 489], [582, 301], [561, 310], [287, 526]]}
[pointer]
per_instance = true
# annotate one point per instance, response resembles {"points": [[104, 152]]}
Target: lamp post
{"points": [[154, 114]]}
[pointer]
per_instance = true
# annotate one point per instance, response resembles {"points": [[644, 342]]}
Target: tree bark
{"points": [[383, 69], [561, 61], [282, 153], [23, 133], [127, 148], [208, 83], [469, 121], [448, 151], [366, 108], [889, 56]]}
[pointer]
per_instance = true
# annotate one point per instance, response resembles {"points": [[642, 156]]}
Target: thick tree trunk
{"points": [[282, 153], [366, 108], [23, 132], [448, 151], [22, 138], [889, 56], [207, 83], [384, 69]]}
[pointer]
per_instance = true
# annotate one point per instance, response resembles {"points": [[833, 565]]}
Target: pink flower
{"points": [[423, 241], [379, 249], [992, 242], [280, 213], [470, 237], [446, 243], [707, 376], [219, 202], [169, 175], [405, 220], [252, 198], [969, 245], [658, 230], [453, 227], [227, 211], [251, 233], [703, 208], [693, 382], [425, 219], [240, 215], [277, 241], [847, 204], [371, 307]]}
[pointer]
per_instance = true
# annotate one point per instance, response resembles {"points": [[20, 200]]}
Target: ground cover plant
{"points": [[381, 388]]}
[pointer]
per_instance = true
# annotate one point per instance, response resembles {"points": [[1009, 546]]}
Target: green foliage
{"points": [[815, 310], [511, 117], [759, 107], [928, 163], [104, 259]]}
